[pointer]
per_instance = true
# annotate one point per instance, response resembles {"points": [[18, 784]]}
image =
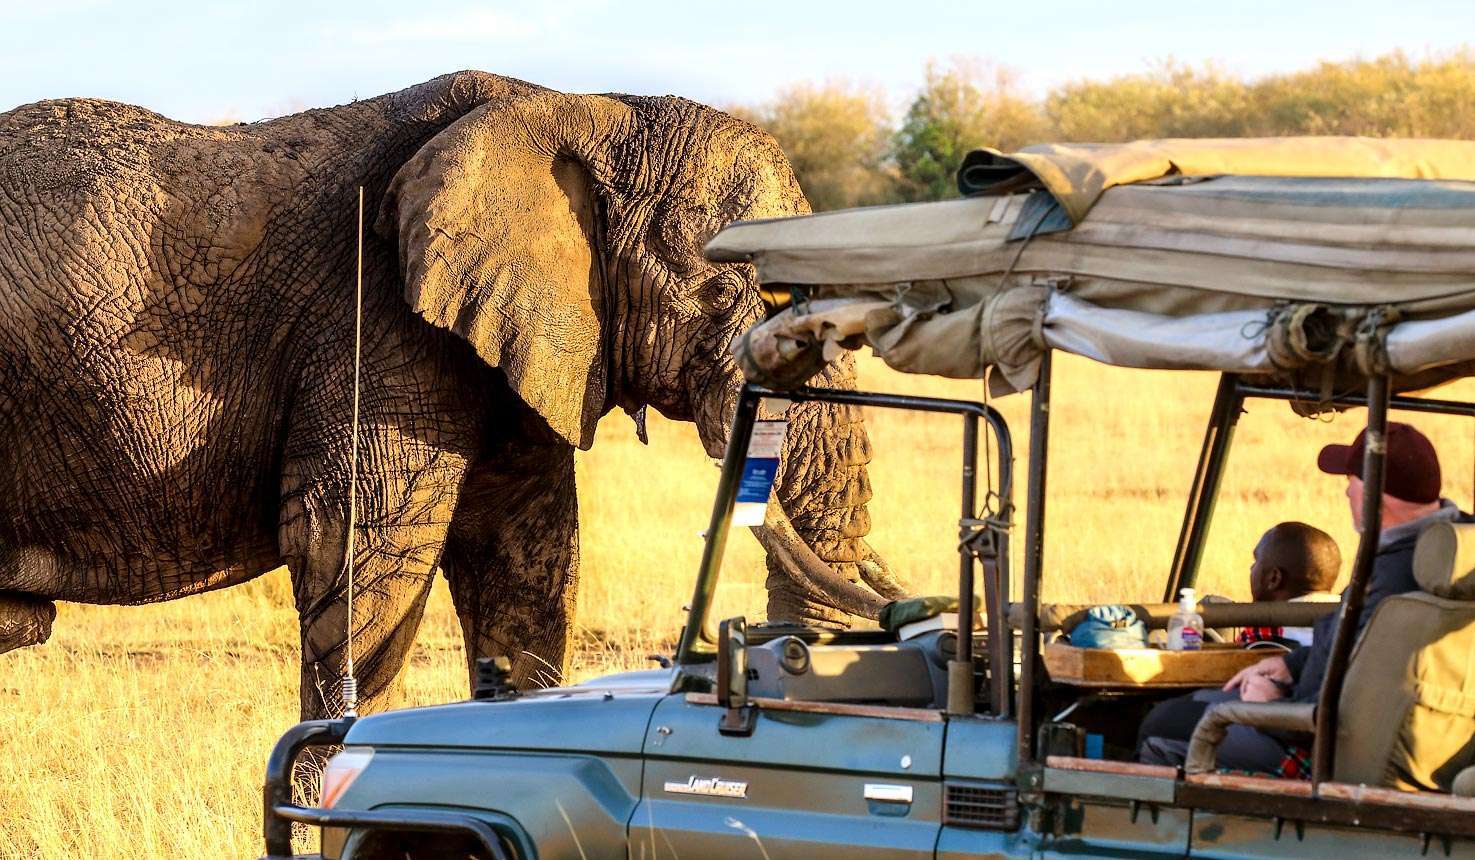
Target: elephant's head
{"points": [[561, 236]]}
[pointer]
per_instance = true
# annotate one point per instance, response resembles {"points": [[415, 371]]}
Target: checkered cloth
{"points": [[1248, 635], [1296, 764]]}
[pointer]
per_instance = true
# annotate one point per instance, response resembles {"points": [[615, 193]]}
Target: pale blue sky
{"points": [[201, 61]]}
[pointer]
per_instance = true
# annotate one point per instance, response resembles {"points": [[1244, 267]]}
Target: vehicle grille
{"points": [[994, 807]]}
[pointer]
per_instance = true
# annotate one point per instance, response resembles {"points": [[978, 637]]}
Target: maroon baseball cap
{"points": [[1411, 471]]}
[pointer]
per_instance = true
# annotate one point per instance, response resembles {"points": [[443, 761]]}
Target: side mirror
{"points": [[732, 677]]}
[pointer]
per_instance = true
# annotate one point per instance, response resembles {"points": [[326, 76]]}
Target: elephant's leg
{"points": [[512, 560], [24, 620], [406, 493]]}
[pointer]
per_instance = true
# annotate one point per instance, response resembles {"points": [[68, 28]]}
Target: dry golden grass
{"points": [[142, 732]]}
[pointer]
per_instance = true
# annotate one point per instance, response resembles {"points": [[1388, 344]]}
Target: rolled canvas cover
{"points": [[1301, 277], [1078, 174], [1126, 338]]}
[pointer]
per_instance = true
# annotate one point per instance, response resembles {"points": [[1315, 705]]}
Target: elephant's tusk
{"points": [[877, 574], [812, 573]]}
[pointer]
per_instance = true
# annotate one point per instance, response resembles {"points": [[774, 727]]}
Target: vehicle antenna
{"points": [[350, 681]]}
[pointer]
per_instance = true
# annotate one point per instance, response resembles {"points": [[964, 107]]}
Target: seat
{"points": [[1407, 710]]}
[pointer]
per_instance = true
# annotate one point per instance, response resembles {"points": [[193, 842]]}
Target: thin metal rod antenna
{"points": [[350, 682]]}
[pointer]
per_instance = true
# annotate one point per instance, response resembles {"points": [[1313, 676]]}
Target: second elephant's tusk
{"points": [[877, 574]]}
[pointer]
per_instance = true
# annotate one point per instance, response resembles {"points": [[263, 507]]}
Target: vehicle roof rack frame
{"points": [[1228, 405], [1400, 402]]}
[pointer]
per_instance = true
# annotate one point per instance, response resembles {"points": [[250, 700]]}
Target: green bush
{"points": [[837, 135], [847, 153]]}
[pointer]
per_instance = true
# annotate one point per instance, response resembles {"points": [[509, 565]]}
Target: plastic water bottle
{"points": [[1186, 627]]}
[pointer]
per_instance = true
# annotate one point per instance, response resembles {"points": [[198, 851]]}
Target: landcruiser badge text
{"points": [[711, 787]]}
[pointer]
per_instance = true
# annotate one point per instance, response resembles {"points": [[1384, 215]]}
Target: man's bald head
{"points": [[1293, 559]]}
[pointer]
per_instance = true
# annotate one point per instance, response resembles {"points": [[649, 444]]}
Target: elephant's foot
{"points": [[24, 620]]}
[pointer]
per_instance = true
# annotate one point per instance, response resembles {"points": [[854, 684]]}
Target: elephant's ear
{"points": [[497, 221]]}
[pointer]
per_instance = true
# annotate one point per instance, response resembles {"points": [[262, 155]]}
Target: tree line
{"points": [[848, 149]]}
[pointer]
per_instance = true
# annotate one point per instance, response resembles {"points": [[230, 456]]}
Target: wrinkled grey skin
{"points": [[176, 317]]}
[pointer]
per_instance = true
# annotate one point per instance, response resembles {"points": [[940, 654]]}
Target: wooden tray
{"points": [[1147, 667]]}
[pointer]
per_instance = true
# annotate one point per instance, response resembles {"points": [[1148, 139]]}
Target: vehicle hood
{"points": [[555, 719]]}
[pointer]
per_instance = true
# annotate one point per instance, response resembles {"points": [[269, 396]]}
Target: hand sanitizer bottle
{"points": [[1186, 627]]}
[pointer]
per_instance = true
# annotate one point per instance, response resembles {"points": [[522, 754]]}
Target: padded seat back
{"points": [[1407, 712]]}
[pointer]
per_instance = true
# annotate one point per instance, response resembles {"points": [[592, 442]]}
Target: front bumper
{"points": [[279, 812]]}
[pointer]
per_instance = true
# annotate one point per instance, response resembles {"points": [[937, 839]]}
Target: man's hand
{"points": [[1259, 688], [1270, 669]]}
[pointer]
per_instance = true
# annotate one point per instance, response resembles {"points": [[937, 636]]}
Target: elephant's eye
{"points": [[678, 232], [719, 293]]}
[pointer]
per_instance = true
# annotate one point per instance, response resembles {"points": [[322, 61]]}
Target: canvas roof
{"points": [[1077, 174], [1283, 257]]}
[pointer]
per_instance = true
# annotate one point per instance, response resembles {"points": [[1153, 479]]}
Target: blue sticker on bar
{"points": [[757, 482], [755, 486]]}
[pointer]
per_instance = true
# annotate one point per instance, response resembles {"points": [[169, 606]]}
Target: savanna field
{"points": [[143, 731]]}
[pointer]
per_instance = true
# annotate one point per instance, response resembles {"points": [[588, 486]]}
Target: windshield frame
{"points": [[699, 639]]}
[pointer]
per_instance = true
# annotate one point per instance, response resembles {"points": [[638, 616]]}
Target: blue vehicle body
{"points": [[790, 743], [584, 771]]}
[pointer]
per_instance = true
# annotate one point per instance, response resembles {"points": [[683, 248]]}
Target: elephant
{"points": [[177, 360]]}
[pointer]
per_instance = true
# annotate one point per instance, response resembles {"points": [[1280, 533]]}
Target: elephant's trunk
{"points": [[823, 490], [821, 571]]}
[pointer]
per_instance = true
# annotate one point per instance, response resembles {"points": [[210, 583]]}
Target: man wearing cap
{"points": [[1411, 503]]}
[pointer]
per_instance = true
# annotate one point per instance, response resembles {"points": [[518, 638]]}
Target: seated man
{"points": [[1410, 503], [1293, 562]]}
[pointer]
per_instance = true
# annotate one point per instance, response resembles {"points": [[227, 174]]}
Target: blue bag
{"points": [[1110, 627]]}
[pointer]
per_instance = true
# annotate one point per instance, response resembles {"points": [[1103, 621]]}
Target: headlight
{"points": [[342, 770]]}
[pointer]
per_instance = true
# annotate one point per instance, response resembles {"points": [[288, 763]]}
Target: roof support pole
{"points": [[996, 573], [1034, 552], [1228, 404], [960, 693], [1323, 754]]}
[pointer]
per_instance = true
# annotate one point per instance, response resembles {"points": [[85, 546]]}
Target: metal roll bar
{"points": [[1034, 557], [1378, 399], [698, 637], [1204, 492], [1228, 406]]}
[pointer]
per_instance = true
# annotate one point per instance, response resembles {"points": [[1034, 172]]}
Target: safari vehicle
{"points": [[1327, 273]]}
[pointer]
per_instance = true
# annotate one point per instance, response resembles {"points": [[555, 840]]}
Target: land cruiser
{"points": [[1327, 273]]}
